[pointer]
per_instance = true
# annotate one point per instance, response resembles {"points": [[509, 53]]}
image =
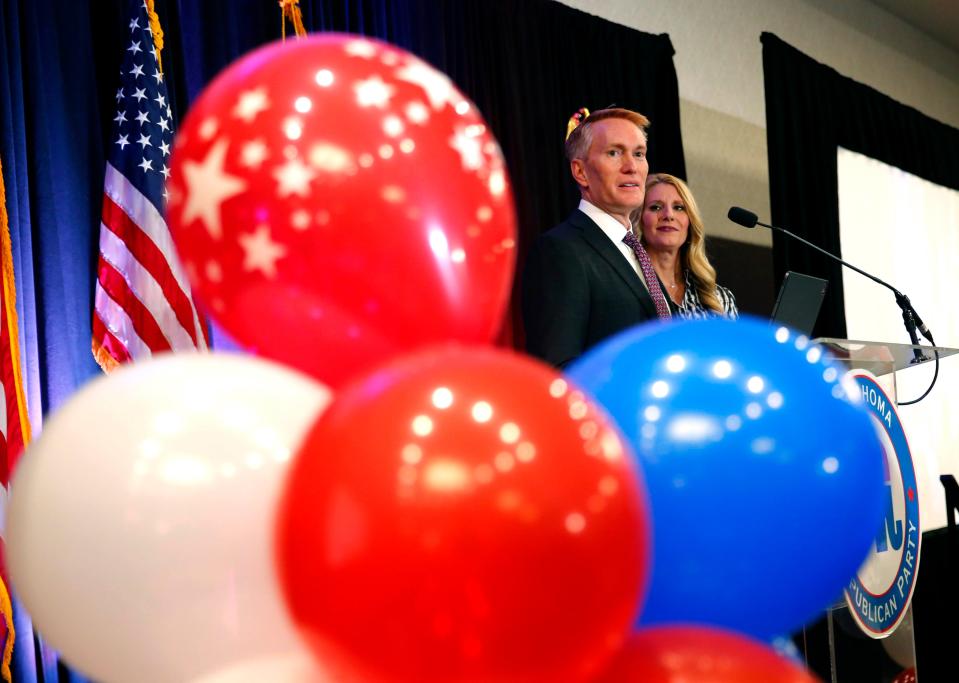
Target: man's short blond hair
{"points": [[578, 142]]}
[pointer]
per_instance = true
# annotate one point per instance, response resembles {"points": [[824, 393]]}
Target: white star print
{"points": [[161, 100], [163, 124], [437, 86], [260, 252], [134, 47], [416, 112], [207, 187], [122, 141], [253, 154], [294, 178], [137, 70], [251, 103], [146, 165], [158, 76], [331, 158], [144, 141], [119, 94], [165, 148], [208, 128], [360, 48], [134, 23], [165, 171], [143, 118], [373, 92], [470, 149], [140, 94], [121, 117]]}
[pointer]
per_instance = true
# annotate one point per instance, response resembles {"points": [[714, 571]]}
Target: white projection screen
{"points": [[905, 230]]}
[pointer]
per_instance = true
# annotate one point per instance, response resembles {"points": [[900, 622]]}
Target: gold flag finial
{"points": [[290, 9]]}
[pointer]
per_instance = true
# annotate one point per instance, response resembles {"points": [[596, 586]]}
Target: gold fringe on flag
{"points": [[290, 9], [9, 301], [103, 358], [156, 31], [6, 608]]}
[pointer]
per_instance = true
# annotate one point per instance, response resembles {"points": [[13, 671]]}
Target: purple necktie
{"points": [[652, 282]]}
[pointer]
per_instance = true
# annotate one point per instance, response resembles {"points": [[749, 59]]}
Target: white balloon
{"points": [[140, 525], [293, 668]]}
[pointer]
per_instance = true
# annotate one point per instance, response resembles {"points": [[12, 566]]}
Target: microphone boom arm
{"points": [[910, 318]]}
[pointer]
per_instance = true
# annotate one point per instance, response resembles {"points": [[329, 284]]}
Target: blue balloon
{"points": [[765, 475]]}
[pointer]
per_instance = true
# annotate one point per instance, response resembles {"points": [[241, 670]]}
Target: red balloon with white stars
{"points": [[336, 200]]}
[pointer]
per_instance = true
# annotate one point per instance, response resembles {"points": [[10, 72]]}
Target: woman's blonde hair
{"points": [[693, 252]]}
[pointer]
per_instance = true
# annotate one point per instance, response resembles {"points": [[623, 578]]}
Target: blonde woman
{"points": [[672, 232]]}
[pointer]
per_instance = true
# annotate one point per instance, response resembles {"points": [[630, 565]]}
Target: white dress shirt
{"points": [[615, 231]]}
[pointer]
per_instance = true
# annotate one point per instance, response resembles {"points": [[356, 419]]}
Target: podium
{"points": [[839, 648]]}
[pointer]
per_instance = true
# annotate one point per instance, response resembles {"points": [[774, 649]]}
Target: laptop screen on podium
{"points": [[800, 298]]}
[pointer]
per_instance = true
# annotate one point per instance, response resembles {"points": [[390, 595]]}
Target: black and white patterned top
{"points": [[692, 307]]}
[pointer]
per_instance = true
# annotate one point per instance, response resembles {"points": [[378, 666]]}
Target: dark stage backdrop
{"points": [[810, 111], [527, 64]]}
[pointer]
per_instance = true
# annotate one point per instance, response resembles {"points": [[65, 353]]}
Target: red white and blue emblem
{"points": [[879, 595]]}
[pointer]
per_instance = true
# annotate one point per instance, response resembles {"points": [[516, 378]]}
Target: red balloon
{"points": [[700, 654], [337, 200], [464, 516], [906, 676]]}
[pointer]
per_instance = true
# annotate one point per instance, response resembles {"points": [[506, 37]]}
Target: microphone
{"points": [[745, 218], [910, 318]]}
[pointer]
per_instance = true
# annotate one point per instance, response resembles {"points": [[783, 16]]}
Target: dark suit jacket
{"points": [[578, 289]]}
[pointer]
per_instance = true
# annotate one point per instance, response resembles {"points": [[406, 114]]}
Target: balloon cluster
{"points": [[368, 501]]}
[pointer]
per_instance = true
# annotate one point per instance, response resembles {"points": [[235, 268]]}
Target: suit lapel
{"points": [[598, 240]]}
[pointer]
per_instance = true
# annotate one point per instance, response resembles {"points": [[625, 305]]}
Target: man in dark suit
{"points": [[582, 283]]}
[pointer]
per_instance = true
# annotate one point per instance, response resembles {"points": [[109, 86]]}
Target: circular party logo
{"points": [[878, 596]]}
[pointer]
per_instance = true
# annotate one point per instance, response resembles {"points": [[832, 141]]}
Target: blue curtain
{"points": [[60, 60]]}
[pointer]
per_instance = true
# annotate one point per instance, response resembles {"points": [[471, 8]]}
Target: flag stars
{"points": [[161, 100], [158, 76], [253, 154], [207, 187], [146, 165], [251, 103], [121, 117], [143, 118], [136, 71], [134, 47], [165, 148], [134, 23], [144, 141], [165, 171], [373, 92], [122, 141], [294, 178], [119, 94], [260, 251], [140, 94], [164, 124]]}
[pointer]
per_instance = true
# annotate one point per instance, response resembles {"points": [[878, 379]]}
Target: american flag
{"points": [[143, 304]]}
